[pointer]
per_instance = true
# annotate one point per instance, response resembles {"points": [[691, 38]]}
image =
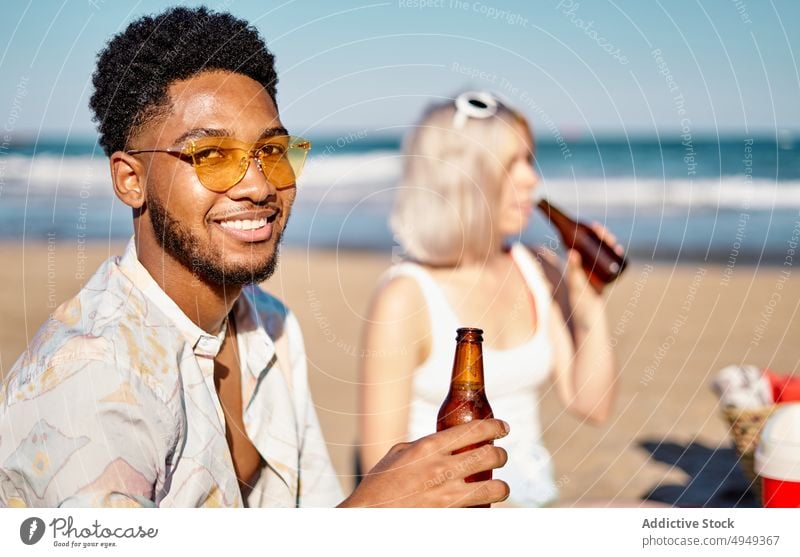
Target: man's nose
{"points": [[254, 185]]}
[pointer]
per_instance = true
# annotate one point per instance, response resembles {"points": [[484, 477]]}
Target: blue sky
{"points": [[577, 68]]}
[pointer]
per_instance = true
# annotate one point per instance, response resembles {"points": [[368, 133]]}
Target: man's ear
{"points": [[127, 174]]}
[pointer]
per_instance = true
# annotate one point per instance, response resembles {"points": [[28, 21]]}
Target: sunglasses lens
{"points": [[222, 177], [279, 173], [297, 154], [221, 163], [282, 159]]}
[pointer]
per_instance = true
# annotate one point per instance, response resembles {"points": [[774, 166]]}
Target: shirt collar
{"points": [[203, 343]]}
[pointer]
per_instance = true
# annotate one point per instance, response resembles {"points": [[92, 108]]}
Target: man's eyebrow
{"points": [[272, 132], [197, 133]]}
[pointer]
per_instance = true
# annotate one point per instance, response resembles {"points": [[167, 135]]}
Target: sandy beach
{"points": [[673, 327]]}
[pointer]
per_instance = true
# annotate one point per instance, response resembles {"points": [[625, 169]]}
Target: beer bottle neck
{"points": [[566, 225], [468, 365]]}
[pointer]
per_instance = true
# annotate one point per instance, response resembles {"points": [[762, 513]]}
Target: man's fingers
{"points": [[479, 459], [464, 435], [483, 493]]}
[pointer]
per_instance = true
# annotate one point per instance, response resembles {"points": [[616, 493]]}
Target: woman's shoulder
{"points": [[552, 269], [399, 292], [547, 262], [399, 306]]}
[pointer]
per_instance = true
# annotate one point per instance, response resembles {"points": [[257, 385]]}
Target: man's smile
{"points": [[249, 226]]}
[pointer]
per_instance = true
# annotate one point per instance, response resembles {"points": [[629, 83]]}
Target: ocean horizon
{"points": [[670, 198]]}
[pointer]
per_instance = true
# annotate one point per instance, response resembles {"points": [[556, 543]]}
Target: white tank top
{"points": [[512, 378]]}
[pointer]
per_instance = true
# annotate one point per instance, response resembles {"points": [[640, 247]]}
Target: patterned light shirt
{"points": [[114, 404]]}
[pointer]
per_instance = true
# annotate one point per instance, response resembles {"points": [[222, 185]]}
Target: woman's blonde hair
{"points": [[446, 205]]}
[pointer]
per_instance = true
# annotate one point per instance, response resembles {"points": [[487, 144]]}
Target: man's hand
{"points": [[425, 473]]}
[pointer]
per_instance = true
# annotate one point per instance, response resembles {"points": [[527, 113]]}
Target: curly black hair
{"points": [[139, 64]]}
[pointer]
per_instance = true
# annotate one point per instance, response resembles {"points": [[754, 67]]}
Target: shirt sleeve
{"points": [[319, 483], [84, 434]]}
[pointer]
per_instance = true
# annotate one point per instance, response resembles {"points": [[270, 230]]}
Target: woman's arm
{"points": [[585, 371], [395, 341]]}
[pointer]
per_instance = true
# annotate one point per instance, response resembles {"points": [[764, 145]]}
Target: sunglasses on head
{"points": [[221, 162], [474, 104]]}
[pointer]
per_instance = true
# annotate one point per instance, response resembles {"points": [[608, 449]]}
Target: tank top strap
{"points": [[537, 281], [443, 321]]}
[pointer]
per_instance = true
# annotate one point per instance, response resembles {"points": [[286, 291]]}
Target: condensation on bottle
{"points": [[466, 398]]}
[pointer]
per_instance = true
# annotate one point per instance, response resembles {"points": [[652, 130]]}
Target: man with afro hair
{"points": [[171, 379]]}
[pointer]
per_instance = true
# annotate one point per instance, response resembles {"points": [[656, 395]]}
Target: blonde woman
{"points": [[466, 194]]}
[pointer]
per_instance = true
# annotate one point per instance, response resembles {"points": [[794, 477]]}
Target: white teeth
{"points": [[245, 224]]}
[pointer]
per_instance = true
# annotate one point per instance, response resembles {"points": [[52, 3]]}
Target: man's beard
{"points": [[205, 262]]}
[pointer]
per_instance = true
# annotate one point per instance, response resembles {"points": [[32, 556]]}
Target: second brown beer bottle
{"points": [[466, 400], [600, 262]]}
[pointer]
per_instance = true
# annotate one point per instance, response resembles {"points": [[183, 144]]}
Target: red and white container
{"points": [[777, 458]]}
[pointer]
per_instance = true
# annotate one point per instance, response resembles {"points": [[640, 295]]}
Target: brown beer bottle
{"points": [[600, 262], [466, 399]]}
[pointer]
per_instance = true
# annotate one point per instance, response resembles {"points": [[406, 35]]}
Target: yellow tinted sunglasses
{"points": [[222, 162]]}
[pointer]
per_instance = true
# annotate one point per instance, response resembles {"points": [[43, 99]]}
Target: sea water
{"points": [[713, 199]]}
